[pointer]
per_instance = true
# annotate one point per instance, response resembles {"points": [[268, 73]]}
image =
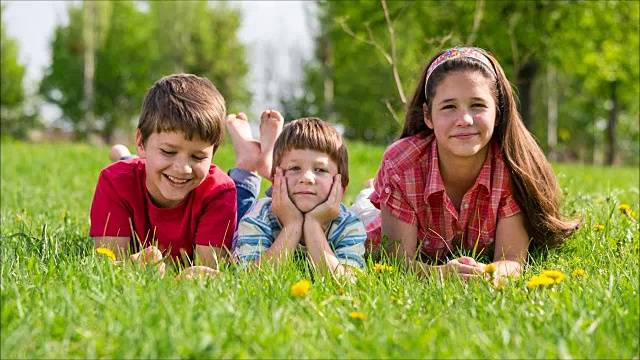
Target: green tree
{"points": [[592, 46], [11, 77], [136, 44], [201, 38], [62, 83], [596, 46], [123, 69]]}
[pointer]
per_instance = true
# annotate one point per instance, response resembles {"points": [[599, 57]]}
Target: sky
{"points": [[275, 48]]}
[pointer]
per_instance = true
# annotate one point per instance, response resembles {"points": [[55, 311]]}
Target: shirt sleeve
{"points": [[390, 191], [349, 247], [507, 206], [218, 220], [110, 215], [254, 237]]}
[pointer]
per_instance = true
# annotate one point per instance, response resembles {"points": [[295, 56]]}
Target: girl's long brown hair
{"points": [[533, 183]]}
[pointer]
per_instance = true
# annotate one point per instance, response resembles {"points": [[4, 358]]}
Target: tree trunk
{"points": [[611, 128], [89, 20], [326, 65], [525, 75], [552, 113]]}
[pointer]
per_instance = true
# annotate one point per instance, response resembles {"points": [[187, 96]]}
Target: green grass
{"points": [[61, 300]]}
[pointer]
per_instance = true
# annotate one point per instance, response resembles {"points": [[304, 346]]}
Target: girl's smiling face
{"points": [[174, 165], [309, 176], [462, 115]]}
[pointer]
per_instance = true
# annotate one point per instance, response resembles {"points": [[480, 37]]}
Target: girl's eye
{"points": [[168, 153], [448, 107], [294, 168], [479, 105], [321, 170]]}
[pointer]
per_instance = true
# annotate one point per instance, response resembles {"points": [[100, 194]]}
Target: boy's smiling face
{"points": [[174, 165], [309, 175]]}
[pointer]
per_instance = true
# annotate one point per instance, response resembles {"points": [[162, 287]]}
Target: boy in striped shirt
{"points": [[305, 213]]}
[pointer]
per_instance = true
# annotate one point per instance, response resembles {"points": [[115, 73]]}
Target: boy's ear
{"points": [[139, 145], [427, 118]]}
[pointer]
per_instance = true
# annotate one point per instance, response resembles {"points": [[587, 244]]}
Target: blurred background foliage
{"points": [[574, 65]]}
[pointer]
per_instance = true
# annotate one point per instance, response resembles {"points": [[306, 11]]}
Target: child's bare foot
{"points": [[117, 152], [271, 123], [245, 147]]}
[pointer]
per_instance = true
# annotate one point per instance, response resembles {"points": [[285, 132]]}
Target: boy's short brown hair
{"points": [[185, 103], [313, 134]]}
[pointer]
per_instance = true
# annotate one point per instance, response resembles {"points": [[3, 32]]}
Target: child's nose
{"points": [[307, 177], [182, 167], [465, 119]]}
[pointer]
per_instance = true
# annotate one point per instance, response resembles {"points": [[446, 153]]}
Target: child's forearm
{"points": [[210, 256], [283, 246], [318, 248]]}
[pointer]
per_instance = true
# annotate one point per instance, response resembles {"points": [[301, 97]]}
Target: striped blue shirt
{"points": [[259, 228]]}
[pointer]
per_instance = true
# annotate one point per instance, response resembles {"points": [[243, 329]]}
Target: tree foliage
{"points": [[592, 44], [138, 43], [12, 88]]}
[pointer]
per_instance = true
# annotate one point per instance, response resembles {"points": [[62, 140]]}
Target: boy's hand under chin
{"points": [[284, 209], [329, 210]]}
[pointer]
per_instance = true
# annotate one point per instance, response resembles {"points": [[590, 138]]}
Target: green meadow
{"points": [[62, 300]]}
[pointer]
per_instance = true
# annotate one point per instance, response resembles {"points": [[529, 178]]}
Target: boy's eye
{"points": [[198, 158], [166, 152], [294, 168], [321, 170]]}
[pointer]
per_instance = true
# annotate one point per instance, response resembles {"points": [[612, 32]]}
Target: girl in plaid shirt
{"points": [[465, 174]]}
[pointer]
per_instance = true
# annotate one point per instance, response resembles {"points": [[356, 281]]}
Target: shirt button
{"points": [[465, 206], [490, 239], [387, 190]]}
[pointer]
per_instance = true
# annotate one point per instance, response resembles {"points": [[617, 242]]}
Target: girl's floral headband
{"points": [[456, 53]]}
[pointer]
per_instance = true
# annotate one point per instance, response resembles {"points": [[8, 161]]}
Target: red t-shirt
{"points": [[207, 216]]}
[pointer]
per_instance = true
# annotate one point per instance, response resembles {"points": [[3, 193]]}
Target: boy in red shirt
{"points": [[171, 200]]}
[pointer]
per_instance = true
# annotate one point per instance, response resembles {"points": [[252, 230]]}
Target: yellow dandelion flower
{"points": [[599, 201], [533, 282], [538, 280], [545, 280], [557, 276], [490, 268], [624, 208], [633, 214], [106, 252], [17, 218], [579, 272], [301, 288], [357, 315], [598, 227], [382, 268]]}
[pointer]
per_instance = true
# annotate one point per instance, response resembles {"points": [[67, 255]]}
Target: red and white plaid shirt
{"points": [[410, 186]]}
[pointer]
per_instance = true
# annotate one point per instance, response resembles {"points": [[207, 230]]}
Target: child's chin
{"points": [[305, 208]]}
